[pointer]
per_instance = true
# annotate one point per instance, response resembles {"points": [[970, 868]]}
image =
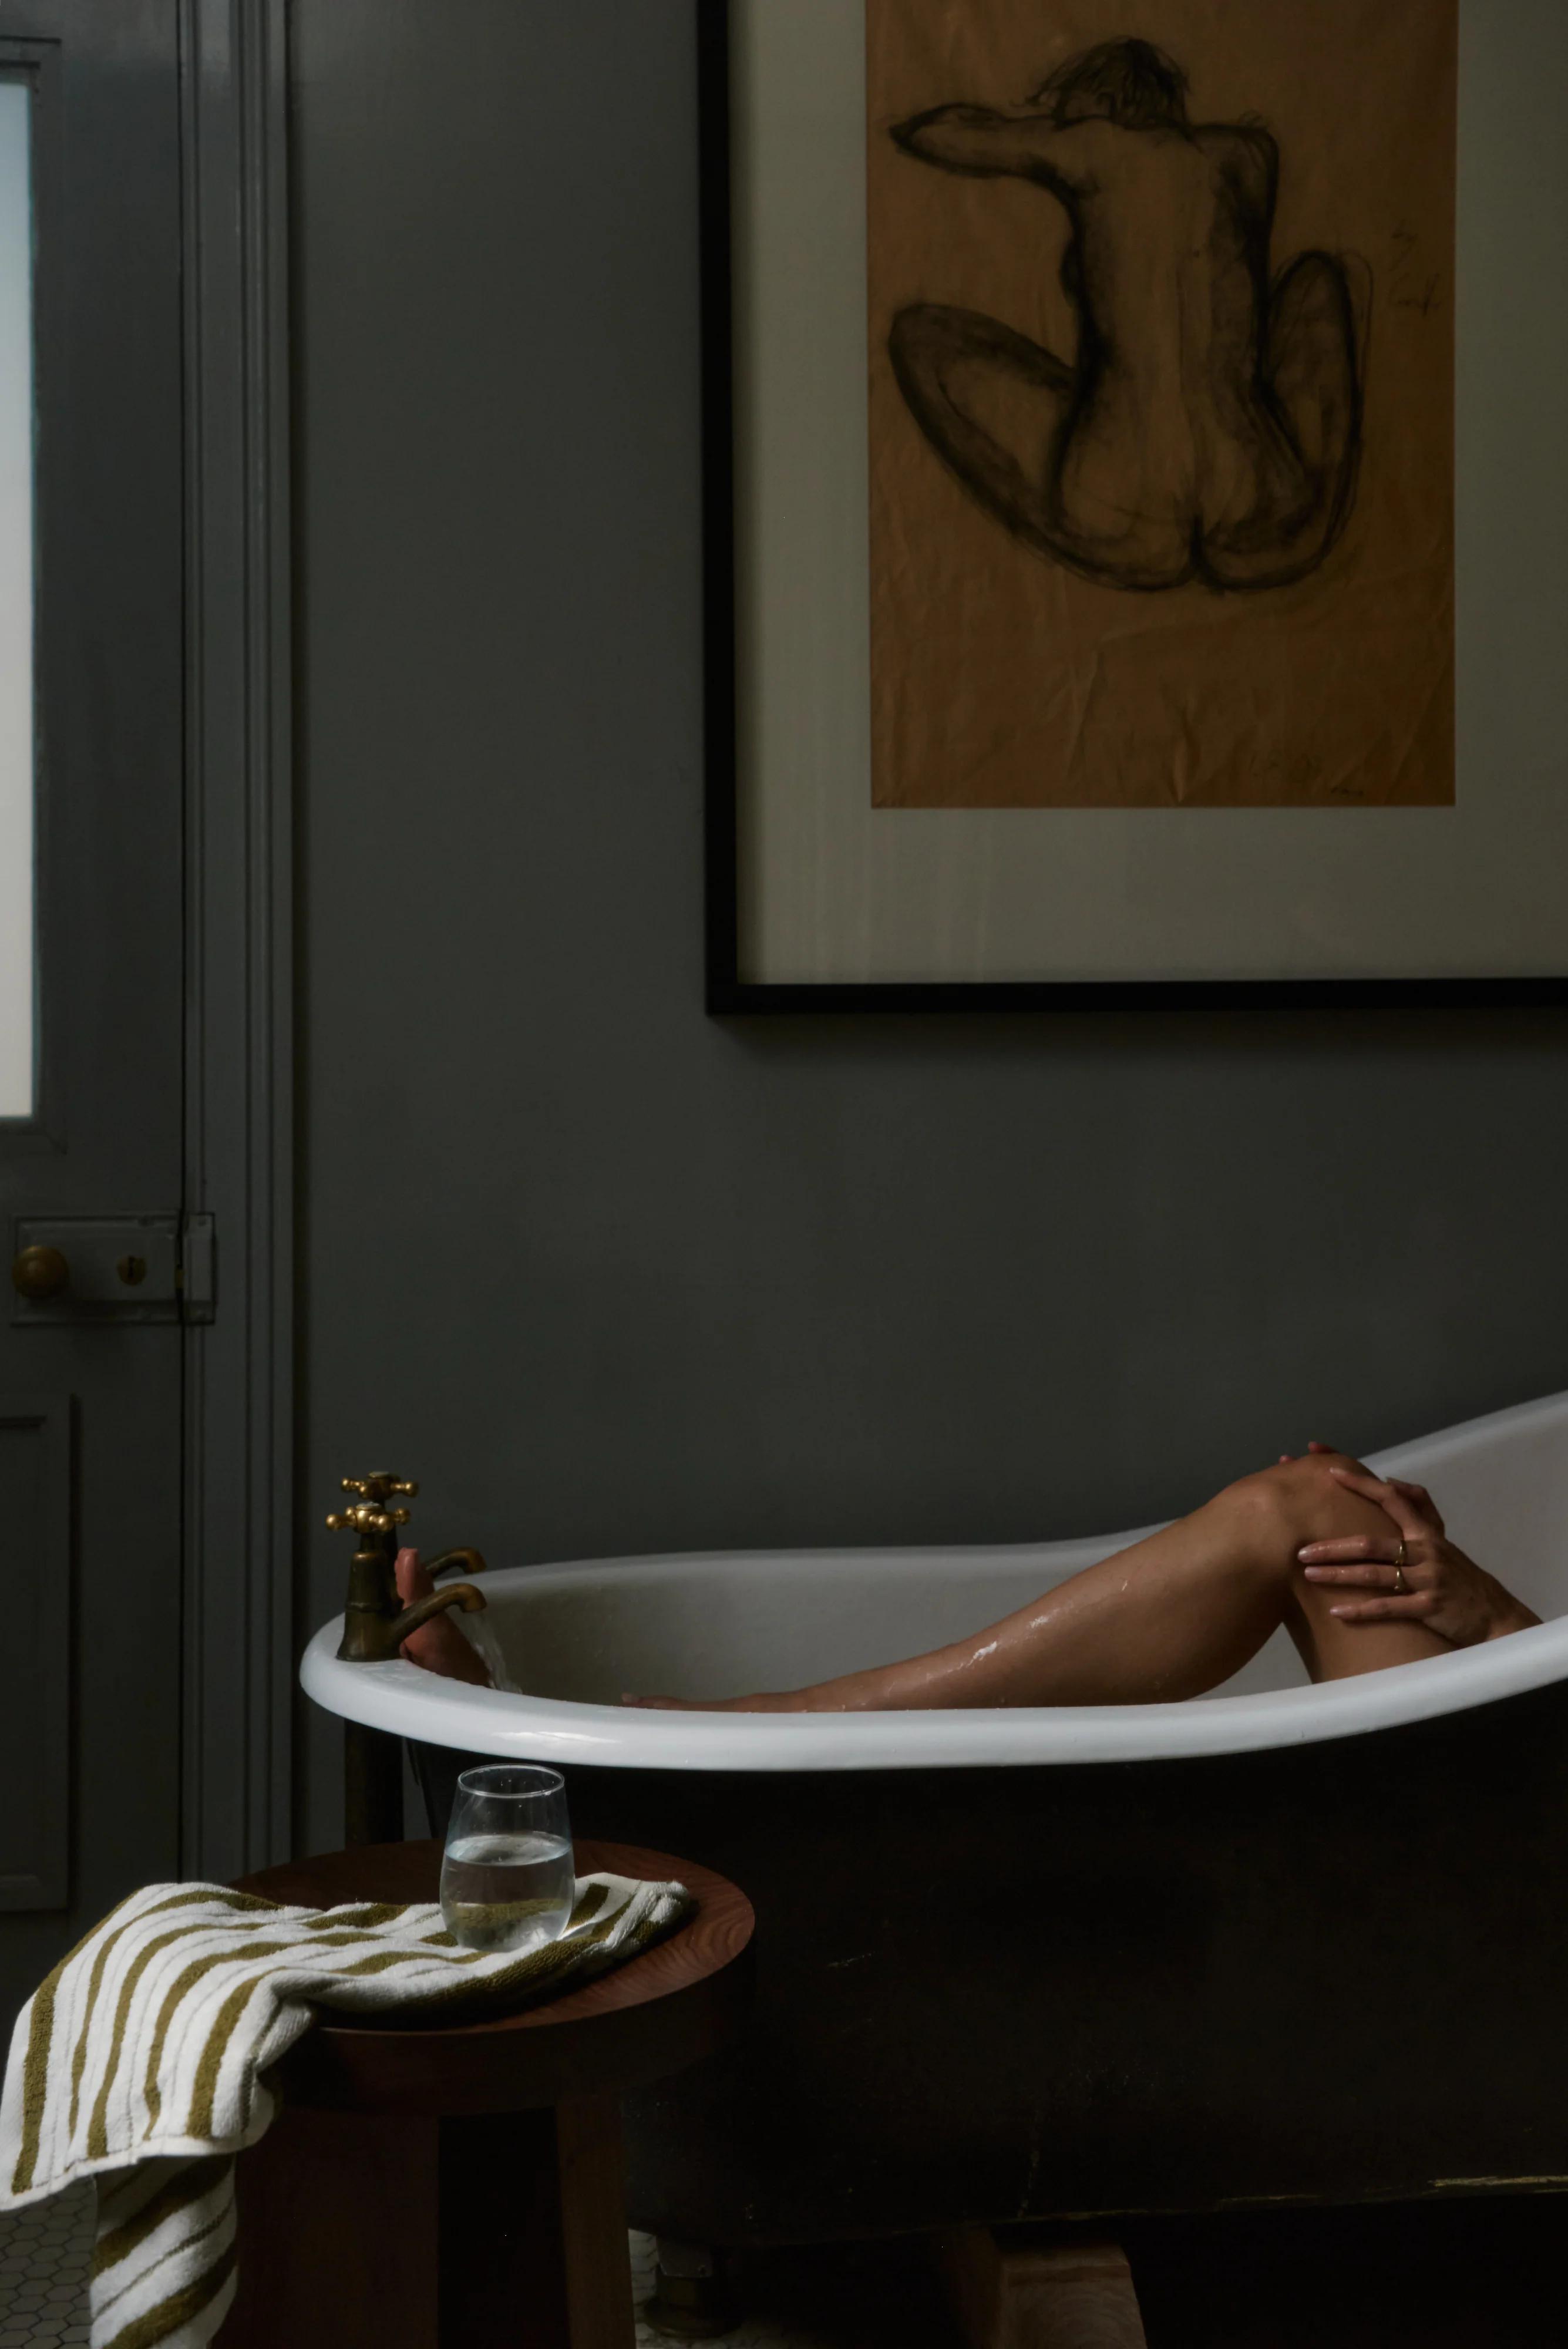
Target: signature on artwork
{"points": [[1208, 426]]}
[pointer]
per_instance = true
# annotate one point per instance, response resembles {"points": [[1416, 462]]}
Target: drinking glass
{"points": [[506, 1875]]}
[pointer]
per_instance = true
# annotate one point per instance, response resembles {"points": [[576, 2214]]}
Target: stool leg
{"points": [[597, 2255], [337, 2235], [532, 2231]]}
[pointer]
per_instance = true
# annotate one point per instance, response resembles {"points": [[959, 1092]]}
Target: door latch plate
{"points": [[123, 1270]]}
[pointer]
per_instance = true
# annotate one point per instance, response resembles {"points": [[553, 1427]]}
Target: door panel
{"points": [[35, 1470], [105, 1138]]}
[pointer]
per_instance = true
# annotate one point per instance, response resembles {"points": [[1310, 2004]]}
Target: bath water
{"points": [[507, 1892]]}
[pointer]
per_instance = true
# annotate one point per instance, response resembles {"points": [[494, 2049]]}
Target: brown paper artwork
{"points": [[1161, 302]]}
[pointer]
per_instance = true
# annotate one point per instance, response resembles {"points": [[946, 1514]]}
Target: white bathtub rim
{"points": [[401, 1697]]}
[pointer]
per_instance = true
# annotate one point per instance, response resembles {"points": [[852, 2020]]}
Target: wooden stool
{"points": [[463, 2187]]}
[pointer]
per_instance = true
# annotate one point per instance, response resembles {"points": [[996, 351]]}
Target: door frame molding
{"points": [[238, 1537]]}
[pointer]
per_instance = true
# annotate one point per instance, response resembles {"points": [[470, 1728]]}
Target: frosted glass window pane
{"points": [[17, 1006]]}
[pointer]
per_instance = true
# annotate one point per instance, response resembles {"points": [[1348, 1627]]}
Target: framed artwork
{"points": [[1137, 502]]}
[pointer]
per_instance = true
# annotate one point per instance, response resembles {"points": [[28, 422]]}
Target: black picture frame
{"points": [[728, 994]]}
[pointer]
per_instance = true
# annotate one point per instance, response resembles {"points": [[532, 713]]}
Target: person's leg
{"points": [[1312, 392], [945, 360], [1170, 1618], [933, 348]]}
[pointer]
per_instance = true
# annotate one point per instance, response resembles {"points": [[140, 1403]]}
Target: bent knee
{"points": [[1277, 1509]]}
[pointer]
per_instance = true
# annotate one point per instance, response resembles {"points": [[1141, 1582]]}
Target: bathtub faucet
{"points": [[374, 1625]]}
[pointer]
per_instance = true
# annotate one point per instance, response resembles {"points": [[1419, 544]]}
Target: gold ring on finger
{"points": [[1400, 1585]]}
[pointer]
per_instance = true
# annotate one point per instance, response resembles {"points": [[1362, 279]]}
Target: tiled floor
{"points": [[1475, 2275], [804, 2301], [43, 2253], [843, 2296]]}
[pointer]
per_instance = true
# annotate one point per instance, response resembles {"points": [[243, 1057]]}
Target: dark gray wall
{"points": [[611, 1275]]}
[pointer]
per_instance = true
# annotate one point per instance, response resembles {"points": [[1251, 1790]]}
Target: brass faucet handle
{"points": [[381, 1485], [366, 1518], [471, 1560]]}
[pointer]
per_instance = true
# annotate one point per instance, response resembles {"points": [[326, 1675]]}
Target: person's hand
{"points": [[1420, 1575], [437, 1645]]}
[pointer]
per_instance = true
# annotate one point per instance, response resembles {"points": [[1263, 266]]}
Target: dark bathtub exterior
{"points": [[1333, 1974]]}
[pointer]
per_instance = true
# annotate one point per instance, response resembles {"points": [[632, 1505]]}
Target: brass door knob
{"points": [[40, 1273]]}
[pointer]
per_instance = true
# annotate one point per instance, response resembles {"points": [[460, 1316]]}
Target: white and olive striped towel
{"points": [[142, 2060]]}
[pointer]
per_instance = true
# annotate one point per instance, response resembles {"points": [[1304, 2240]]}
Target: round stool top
{"points": [[650, 2016]]}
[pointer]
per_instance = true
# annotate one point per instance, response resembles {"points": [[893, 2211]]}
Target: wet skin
{"points": [[1181, 1611]]}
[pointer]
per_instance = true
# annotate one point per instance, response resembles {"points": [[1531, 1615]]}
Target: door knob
{"points": [[40, 1273], [102, 1272]]}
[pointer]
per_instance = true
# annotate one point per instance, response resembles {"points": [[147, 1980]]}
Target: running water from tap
{"points": [[481, 1631]]}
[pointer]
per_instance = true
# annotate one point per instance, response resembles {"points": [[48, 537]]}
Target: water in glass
{"points": [[507, 1878], [507, 1892]]}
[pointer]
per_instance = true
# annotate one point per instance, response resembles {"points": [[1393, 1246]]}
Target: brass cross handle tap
{"points": [[366, 1518], [369, 1514], [374, 1627]]}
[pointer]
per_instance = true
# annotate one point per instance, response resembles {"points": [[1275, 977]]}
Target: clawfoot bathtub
{"points": [[1282, 1942]]}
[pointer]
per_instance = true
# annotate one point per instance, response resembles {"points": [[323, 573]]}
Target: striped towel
{"points": [[142, 2060]]}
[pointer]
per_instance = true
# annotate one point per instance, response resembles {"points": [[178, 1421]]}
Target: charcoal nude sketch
{"points": [[1209, 425]]}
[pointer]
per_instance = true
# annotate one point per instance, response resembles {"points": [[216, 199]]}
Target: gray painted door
{"points": [[90, 1400]]}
